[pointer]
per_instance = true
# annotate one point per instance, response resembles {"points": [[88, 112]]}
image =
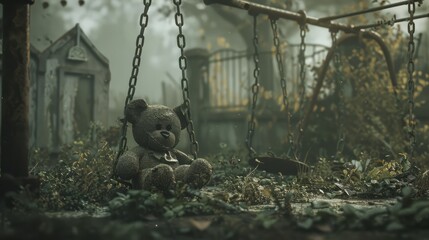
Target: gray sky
{"points": [[114, 34]]}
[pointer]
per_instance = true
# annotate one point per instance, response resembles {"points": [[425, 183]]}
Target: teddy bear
{"points": [[155, 163]]}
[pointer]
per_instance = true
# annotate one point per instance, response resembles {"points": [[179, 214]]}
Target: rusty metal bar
{"points": [[15, 98], [374, 9], [390, 22], [275, 13], [17, 1], [15, 131], [324, 68]]}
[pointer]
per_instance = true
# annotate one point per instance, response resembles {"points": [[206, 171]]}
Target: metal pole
{"points": [[390, 22], [15, 96], [275, 13], [368, 10], [324, 68]]}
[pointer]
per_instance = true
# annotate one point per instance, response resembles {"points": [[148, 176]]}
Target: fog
{"points": [[113, 27], [113, 30]]}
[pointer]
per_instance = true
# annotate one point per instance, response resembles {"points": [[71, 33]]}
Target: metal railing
{"points": [[229, 75]]}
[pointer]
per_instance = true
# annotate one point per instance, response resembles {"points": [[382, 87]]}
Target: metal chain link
{"points": [[340, 88], [181, 43], [302, 73], [144, 19], [301, 58], [255, 91], [410, 68], [283, 83]]}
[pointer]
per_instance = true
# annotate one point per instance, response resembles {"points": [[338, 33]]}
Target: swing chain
{"points": [[181, 43], [144, 19], [340, 87], [283, 83], [410, 68], [255, 91], [301, 57], [302, 72]]}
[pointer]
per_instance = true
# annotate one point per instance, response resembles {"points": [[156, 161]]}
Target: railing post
{"points": [[198, 59]]}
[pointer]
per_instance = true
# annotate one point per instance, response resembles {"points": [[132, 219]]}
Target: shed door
{"points": [[77, 103], [84, 104]]}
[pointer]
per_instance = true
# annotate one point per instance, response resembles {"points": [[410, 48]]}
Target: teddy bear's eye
{"points": [[158, 126], [169, 127]]}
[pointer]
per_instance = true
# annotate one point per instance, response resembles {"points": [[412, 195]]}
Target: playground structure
{"points": [[351, 31], [18, 130]]}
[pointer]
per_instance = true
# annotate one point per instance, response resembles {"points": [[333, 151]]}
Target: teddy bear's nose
{"points": [[165, 134]]}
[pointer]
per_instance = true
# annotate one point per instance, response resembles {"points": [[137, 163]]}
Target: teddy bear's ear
{"points": [[133, 110], [181, 113]]}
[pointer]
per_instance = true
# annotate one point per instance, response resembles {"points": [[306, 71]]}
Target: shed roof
{"points": [[70, 35]]}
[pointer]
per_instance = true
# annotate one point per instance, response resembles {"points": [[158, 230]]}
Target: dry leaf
{"points": [[200, 224]]}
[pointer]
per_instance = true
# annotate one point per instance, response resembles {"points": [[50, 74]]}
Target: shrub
{"points": [[82, 176]]}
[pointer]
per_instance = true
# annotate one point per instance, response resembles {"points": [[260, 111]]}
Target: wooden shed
{"points": [[69, 89], [72, 89]]}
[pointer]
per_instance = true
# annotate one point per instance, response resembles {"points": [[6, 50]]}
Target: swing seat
{"points": [[285, 166]]}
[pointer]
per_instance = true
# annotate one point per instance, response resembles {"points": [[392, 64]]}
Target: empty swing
{"points": [[274, 164], [289, 165]]}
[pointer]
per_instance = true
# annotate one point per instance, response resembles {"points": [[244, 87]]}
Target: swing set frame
{"points": [[351, 32]]}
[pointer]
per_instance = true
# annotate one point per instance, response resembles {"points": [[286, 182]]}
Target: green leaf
{"points": [[406, 192], [267, 223], [306, 224], [395, 226], [320, 204], [169, 214], [178, 208], [422, 215]]}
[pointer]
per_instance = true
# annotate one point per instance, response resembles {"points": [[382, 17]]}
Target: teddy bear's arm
{"points": [[182, 157], [129, 163]]}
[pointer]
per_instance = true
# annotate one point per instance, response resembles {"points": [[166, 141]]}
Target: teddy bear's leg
{"points": [[128, 165], [180, 173], [140, 182], [160, 177], [198, 173]]}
